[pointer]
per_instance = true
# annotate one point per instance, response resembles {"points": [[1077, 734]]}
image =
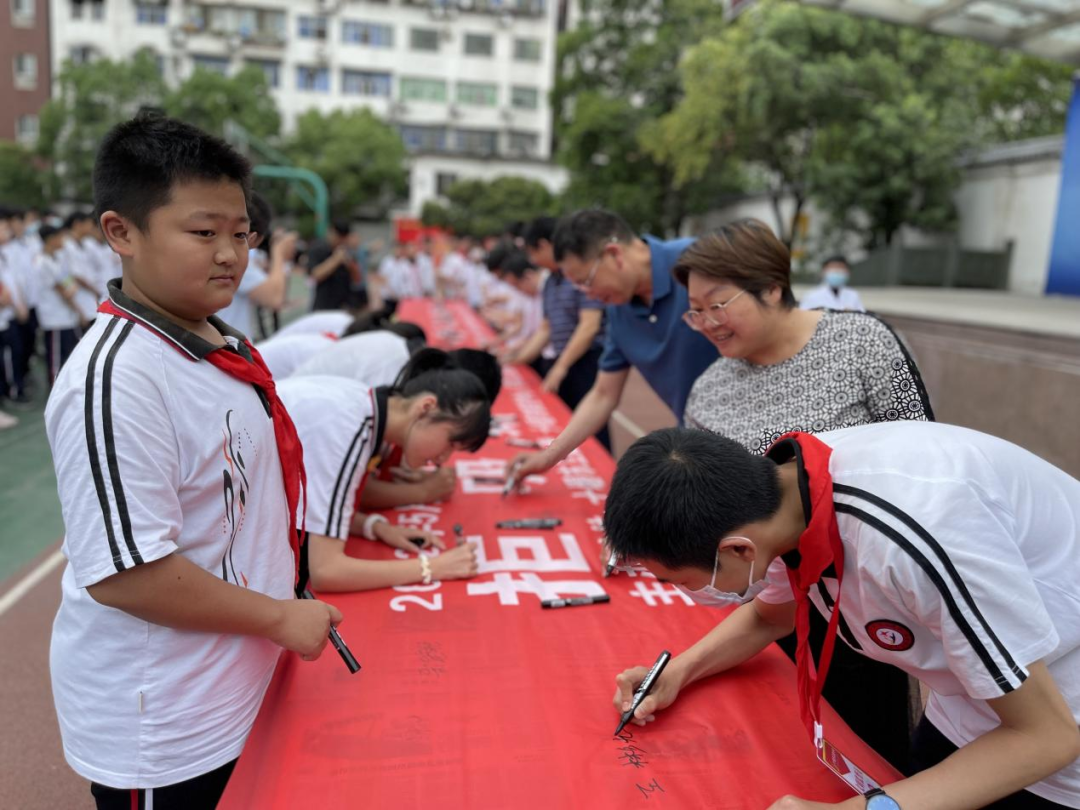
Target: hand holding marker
{"points": [[644, 688]]}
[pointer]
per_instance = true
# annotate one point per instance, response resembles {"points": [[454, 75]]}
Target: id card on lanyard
{"points": [[820, 549]]}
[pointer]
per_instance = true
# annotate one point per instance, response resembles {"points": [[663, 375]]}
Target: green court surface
{"points": [[29, 508]]}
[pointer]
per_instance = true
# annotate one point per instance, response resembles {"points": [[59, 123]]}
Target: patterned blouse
{"points": [[853, 371]]}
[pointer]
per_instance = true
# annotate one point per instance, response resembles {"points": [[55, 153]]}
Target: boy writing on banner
{"points": [[180, 477], [951, 554]]}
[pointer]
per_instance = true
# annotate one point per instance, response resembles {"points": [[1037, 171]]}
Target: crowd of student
{"points": [[206, 479]]}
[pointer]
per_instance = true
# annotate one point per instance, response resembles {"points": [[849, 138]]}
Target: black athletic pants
{"points": [[199, 793]]}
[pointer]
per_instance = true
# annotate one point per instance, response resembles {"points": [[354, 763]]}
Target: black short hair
{"points": [[517, 264], [677, 492], [341, 227], [584, 233], [838, 258], [76, 217], [541, 228], [498, 255], [484, 365], [461, 397], [47, 231], [367, 322], [260, 213], [414, 334], [140, 161]]}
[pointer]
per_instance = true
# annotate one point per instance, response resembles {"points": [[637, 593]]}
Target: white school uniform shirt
{"points": [[54, 312], [80, 264], [823, 297], [372, 358], [340, 423], [455, 270], [106, 264], [329, 321], [283, 354], [961, 567], [425, 269], [240, 314], [158, 452], [20, 256], [404, 279]]}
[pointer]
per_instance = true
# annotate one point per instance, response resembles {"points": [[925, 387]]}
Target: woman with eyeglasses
{"points": [[782, 369]]}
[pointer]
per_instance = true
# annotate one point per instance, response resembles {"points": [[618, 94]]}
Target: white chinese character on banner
{"points": [[531, 553], [658, 593], [507, 587]]}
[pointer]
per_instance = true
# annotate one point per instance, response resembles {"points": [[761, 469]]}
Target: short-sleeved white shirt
{"points": [[158, 452], [372, 358], [823, 297], [20, 255], [962, 567], [283, 354], [240, 313], [340, 423], [52, 310], [80, 264], [328, 321]]}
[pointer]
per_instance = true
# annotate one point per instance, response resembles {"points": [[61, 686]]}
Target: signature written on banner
{"points": [[633, 756]]}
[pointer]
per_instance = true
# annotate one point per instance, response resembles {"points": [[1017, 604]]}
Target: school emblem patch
{"points": [[890, 635]]}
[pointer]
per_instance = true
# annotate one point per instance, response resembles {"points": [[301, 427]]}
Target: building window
{"points": [[365, 33], [424, 139], [315, 79], [424, 39], [150, 14], [476, 141], [524, 98], [82, 54], [269, 67], [26, 129], [524, 144], [413, 89], [477, 94], [97, 9], [215, 64], [23, 13], [25, 71], [365, 83], [443, 181], [479, 45], [309, 27], [527, 50]]}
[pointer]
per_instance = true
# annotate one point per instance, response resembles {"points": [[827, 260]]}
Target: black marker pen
{"points": [[644, 689], [574, 602], [459, 534], [339, 643], [529, 523]]}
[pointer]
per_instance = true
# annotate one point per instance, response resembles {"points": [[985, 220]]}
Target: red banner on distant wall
{"points": [[474, 696]]}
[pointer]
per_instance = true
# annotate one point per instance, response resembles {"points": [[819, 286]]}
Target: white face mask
{"points": [[709, 596]]}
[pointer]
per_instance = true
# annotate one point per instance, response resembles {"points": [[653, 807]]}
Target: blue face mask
{"points": [[836, 278], [710, 596]]}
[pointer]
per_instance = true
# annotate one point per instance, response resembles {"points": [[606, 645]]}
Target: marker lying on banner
{"points": [[417, 541], [529, 444], [643, 689], [529, 523], [339, 643], [459, 534], [488, 479], [577, 600]]}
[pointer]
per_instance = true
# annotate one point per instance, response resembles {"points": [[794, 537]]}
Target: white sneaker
{"points": [[7, 420]]}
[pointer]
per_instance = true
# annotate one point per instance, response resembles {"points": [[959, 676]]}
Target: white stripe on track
{"points": [[27, 583]]}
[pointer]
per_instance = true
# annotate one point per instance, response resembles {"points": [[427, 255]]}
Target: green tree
{"points": [[208, 99], [89, 100], [618, 72], [361, 158], [478, 208], [1021, 96], [22, 180]]}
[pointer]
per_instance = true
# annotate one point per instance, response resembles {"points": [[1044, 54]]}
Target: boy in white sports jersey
{"points": [[180, 475], [951, 554]]}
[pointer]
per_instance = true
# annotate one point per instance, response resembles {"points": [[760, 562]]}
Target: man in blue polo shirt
{"points": [[601, 256]]}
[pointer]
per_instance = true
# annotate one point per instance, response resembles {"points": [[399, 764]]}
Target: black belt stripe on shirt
{"points": [[934, 575], [939, 552], [341, 485], [110, 443], [92, 449], [845, 631]]}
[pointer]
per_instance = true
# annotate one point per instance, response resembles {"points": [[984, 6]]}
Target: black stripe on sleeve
{"points": [[92, 448], [345, 493], [110, 444], [341, 474], [845, 631], [939, 552], [934, 575]]}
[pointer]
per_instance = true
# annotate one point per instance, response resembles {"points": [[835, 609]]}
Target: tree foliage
{"points": [[208, 99], [361, 158], [89, 100], [478, 208], [22, 180]]}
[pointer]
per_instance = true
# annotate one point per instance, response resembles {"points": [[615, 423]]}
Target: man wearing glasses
{"points": [[600, 254]]}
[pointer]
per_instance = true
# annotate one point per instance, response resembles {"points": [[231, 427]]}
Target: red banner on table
{"points": [[474, 696]]}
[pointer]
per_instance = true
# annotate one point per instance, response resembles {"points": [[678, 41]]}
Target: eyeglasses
{"points": [[586, 285], [715, 315]]}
